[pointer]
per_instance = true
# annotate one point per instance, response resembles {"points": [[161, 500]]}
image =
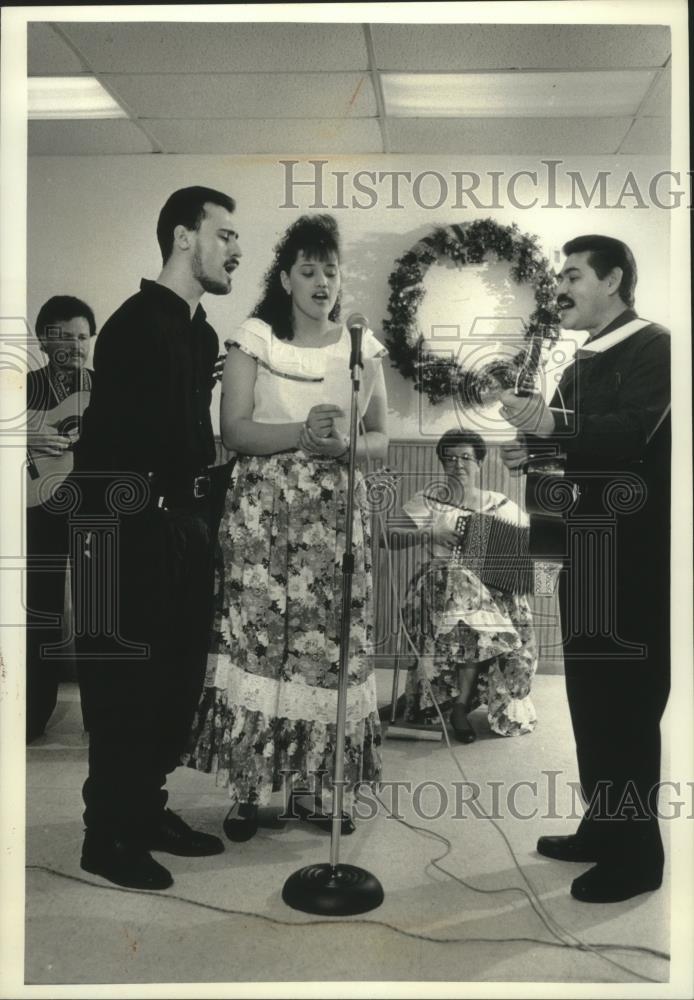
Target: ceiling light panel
{"points": [[70, 97], [490, 95]]}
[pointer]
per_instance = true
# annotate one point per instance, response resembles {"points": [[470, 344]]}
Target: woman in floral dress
{"points": [[267, 714], [476, 644]]}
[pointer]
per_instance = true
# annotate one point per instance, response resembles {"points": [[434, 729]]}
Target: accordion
{"points": [[496, 551]]}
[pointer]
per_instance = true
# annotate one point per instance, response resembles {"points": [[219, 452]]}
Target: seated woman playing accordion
{"points": [[475, 639]]}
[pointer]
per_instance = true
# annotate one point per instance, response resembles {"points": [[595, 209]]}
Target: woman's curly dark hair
{"points": [[318, 237]]}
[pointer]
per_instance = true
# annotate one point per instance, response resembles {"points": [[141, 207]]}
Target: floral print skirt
{"points": [[454, 619], [267, 715]]}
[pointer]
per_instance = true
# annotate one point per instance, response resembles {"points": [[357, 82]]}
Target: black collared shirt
{"points": [[150, 405], [609, 404]]}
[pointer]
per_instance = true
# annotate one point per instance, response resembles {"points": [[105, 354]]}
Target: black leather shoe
{"points": [[241, 823], [316, 817], [123, 863], [174, 836], [608, 884], [462, 730], [568, 848]]}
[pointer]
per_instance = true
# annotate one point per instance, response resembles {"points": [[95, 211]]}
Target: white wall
{"points": [[92, 220]]}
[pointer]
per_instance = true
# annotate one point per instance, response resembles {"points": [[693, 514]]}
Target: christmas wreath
{"points": [[469, 243]]}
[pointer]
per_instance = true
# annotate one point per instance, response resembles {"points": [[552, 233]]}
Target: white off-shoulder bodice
{"points": [[290, 379]]}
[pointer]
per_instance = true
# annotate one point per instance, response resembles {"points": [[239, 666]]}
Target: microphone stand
{"points": [[335, 889]]}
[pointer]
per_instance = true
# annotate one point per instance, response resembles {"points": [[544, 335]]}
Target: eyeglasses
{"points": [[457, 459]]}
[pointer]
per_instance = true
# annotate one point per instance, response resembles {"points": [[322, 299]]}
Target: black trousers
{"points": [[139, 702], [47, 555], [616, 704]]}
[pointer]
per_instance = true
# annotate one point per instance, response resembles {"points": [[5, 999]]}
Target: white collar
{"points": [[601, 344]]}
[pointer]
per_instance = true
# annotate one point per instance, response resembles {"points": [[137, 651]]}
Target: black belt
{"points": [[186, 491]]}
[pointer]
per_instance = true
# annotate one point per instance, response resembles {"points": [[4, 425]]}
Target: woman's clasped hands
{"points": [[319, 434]]}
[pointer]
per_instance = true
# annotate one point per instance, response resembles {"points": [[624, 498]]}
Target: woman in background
{"points": [[476, 643], [268, 711]]}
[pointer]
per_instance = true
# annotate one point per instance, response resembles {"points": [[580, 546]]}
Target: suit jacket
{"points": [[617, 448], [620, 398]]}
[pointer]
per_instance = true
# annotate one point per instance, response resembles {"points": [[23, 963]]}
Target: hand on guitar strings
{"points": [[48, 442], [527, 413]]}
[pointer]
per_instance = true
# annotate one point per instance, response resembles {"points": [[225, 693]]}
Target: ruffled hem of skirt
{"points": [[253, 755], [515, 717]]}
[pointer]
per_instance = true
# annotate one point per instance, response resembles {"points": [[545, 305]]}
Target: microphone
{"points": [[356, 324]]}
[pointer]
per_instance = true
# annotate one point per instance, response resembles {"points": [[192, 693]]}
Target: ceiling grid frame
{"points": [[369, 51]]}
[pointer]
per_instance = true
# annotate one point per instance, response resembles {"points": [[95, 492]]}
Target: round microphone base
{"points": [[332, 890]]}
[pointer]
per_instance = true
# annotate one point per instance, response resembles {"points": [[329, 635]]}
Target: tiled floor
{"points": [[224, 921]]}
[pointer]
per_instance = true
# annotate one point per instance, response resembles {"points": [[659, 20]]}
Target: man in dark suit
{"points": [[64, 328], [610, 418]]}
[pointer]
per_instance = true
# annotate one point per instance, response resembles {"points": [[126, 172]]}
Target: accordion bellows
{"points": [[497, 551]]}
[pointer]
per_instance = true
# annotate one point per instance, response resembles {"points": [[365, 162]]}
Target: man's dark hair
{"points": [[187, 208], [60, 309], [458, 439], [607, 253]]}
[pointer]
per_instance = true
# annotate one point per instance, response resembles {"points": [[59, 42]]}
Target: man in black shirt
{"points": [[144, 458]]}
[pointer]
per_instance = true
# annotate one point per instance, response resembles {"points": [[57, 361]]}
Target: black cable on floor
{"points": [[359, 921], [576, 945]]}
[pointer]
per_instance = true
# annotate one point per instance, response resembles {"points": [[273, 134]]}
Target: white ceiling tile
{"points": [[246, 95], [647, 136], [170, 47], [242, 136], [501, 136], [531, 95], [658, 101], [86, 138], [47, 53], [459, 47]]}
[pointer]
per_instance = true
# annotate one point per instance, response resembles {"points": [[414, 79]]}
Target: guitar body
{"points": [[549, 499], [548, 496], [46, 473]]}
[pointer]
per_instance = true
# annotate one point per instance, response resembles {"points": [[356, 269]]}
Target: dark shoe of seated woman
{"points": [[462, 729]]}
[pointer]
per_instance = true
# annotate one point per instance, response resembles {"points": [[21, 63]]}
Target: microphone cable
{"points": [[364, 921]]}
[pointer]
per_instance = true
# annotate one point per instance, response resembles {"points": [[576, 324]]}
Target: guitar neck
{"points": [[527, 376]]}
